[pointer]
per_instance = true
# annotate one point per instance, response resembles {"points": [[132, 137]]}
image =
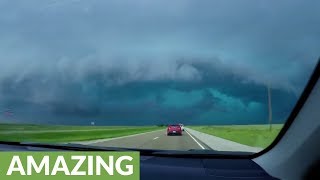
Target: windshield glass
{"points": [[225, 74]]}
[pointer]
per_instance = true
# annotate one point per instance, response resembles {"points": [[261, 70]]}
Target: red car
{"points": [[174, 130]]}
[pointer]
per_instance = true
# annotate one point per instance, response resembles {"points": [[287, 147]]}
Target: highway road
{"points": [[154, 140]]}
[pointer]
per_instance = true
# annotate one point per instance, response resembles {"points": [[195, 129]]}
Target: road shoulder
{"points": [[220, 144]]}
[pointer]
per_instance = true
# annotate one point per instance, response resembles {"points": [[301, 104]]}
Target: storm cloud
{"points": [[153, 62]]}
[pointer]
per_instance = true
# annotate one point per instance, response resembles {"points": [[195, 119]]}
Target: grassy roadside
{"points": [[251, 135], [31, 127], [65, 136]]}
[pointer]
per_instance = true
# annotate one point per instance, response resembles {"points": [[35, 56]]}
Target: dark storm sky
{"points": [[137, 62]]}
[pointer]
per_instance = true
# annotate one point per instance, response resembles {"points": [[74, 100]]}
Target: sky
{"points": [[141, 62]]}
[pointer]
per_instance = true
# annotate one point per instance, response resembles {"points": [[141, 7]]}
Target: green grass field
{"points": [[27, 127], [251, 135], [39, 133]]}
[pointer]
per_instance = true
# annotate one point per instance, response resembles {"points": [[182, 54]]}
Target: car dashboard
{"points": [[158, 167]]}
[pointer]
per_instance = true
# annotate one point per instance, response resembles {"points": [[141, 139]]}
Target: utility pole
{"points": [[269, 108]]}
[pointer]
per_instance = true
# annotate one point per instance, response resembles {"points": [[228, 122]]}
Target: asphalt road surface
{"points": [[154, 140]]}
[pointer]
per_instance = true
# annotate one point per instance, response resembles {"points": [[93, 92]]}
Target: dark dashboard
{"points": [[156, 167], [184, 168]]}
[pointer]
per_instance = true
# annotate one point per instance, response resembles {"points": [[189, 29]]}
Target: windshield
{"points": [[224, 74]]}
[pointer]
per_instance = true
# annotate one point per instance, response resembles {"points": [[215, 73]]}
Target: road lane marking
{"points": [[195, 140], [155, 138]]}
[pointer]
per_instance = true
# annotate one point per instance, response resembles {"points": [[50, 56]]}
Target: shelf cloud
{"points": [[142, 62]]}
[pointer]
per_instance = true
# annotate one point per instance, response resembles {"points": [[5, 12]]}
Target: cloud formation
{"points": [[127, 62]]}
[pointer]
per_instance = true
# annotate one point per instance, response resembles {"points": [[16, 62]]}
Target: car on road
{"points": [[174, 130]]}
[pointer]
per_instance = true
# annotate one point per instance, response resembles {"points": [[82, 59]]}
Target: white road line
{"points": [[111, 139], [195, 140], [155, 138]]}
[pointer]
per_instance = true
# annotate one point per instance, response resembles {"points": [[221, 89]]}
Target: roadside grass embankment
{"points": [[59, 134], [251, 135]]}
